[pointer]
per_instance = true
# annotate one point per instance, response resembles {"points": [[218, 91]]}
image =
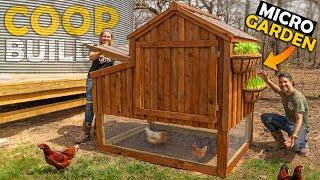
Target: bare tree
{"points": [[144, 10]]}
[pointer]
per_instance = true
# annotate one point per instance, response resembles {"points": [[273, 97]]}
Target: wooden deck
{"points": [[19, 88]]}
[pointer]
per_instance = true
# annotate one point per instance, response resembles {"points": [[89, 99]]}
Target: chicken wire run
{"points": [[130, 133]]}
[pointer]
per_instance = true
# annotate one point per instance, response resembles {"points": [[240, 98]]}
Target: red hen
{"points": [[284, 173], [297, 174], [59, 160]]}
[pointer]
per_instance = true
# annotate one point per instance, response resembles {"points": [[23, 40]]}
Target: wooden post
{"points": [[99, 120], [225, 118], [132, 51], [251, 125], [222, 154], [94, 95]]}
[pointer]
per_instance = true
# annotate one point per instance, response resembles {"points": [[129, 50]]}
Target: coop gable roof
{"points": [[213, 23]]}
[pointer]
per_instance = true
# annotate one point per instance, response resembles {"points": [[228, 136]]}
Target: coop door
{"points": [[177, 85]]}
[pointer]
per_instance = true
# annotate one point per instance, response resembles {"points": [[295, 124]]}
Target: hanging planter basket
{"points": [[251, 96], [244, 63]]}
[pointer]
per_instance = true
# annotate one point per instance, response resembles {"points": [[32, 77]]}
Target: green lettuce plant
{"points": [[255, 83], [242, 48]]}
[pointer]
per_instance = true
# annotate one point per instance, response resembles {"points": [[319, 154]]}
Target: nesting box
{"points": [[177, 78]]}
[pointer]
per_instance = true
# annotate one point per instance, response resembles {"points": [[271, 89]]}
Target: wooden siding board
{"points": [[107, 94], [234, 100], [104, 94], [160, 98], [188, 81], [141, 73], [118, 94], [208, 28], [129, 92], [94, 95], [174, 23], [188, 69], [239, 97], [113, 96], [204, 54], [195, 35], [100, 93], [110, 69], [154, 72], [195, 82], [175, 115], [166, 69], [181, 68], [176, 44], [212, 81], [174, 82], [203, 80], [166, 80], [124, 97], [160, 65], [147, 74], [137, 89]]}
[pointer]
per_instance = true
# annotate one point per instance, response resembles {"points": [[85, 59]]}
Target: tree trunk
{"points": [[246, 13]]}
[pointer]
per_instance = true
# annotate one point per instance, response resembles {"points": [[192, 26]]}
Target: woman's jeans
{"points": [[275, 122], [89, 104]]}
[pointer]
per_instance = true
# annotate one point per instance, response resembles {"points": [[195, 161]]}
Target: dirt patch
{"points": [[57, 129], [60, 128]]}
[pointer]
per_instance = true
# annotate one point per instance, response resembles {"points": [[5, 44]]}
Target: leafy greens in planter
{"points": [[243, 48], [255, 83]]}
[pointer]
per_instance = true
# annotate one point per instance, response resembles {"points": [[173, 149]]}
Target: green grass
{"points": [[28, 163]]}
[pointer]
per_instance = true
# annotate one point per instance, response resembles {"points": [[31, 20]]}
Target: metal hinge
{"points": [[217, 107], [218, 53]]}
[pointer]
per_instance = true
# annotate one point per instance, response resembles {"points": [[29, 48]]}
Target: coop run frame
{"points": [[179, 72]]}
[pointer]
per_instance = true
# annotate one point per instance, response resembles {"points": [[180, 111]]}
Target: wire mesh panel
{"points": [[238, 136], [174, 141]]}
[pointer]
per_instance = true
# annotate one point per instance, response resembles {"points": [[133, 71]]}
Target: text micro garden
{"points": [[285, 25]]}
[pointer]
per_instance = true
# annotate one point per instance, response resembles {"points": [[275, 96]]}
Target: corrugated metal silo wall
{"points": [[47, 36]]}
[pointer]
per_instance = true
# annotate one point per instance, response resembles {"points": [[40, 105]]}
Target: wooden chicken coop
{"points": [[179, 77]]}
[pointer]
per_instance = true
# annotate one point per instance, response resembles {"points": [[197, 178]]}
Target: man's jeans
{"points": [[275, 122], [89, 104]]}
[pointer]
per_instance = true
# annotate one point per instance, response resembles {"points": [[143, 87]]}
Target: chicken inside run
{"points": [[181, 142]]}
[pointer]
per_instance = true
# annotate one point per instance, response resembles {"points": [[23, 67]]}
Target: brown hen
{"points": [[199, 152], [60, 160]]}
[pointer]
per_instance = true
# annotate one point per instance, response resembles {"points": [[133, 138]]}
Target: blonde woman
{"points": [[98, 62]]}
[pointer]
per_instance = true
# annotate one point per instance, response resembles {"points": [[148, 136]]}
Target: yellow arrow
{"points": [[272, 60]]}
